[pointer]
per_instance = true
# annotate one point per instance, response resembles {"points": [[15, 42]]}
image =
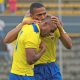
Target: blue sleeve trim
{"points": [[35, 28]]}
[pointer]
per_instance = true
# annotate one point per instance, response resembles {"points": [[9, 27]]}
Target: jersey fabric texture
{"points": [[51, 44], [28, 37], [50, 53]]}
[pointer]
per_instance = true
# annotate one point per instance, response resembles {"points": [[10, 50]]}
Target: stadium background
{"points": [[69, 12]]}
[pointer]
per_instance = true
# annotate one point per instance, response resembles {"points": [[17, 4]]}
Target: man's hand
{"points": [[42, 46], [32, 56], [56, 21]]}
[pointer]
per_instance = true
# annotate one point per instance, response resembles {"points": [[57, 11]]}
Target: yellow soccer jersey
{"points": [[50, 54], [27, 38], [14, 42]]}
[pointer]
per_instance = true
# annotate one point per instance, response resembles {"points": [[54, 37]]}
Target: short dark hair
{"points": [[35, 5]]}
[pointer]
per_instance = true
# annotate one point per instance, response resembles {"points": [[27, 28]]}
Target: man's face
{"points": [[45, 29], [39, 13]]}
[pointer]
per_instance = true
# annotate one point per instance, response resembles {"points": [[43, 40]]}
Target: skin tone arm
{"points": [[12, 35], [32, 56], [64, 37]]}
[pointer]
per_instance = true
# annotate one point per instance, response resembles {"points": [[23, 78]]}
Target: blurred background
{"points": [[12, 12]]}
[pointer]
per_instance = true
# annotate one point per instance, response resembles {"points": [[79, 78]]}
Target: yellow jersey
{"points": [[50, 54], [27, 38], [14, 42]]}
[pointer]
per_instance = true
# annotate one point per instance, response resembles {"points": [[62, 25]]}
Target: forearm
{"points": [[38, 55], [65, 39], [31, 59], [12, 35]]}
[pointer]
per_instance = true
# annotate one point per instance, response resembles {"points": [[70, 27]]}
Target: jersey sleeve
{"points": [[31, 39]]}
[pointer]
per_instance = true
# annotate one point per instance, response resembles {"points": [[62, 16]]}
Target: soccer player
{"points": [[29, 49], [46, 67]]}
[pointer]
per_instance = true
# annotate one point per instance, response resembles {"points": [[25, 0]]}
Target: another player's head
{"points": [[47, 26], [37, 11]]}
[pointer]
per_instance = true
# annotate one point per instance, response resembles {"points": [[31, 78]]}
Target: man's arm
{"points": [[32, 56], [12, 35], [64, 37]]}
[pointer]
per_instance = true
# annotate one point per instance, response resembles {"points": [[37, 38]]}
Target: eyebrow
{"points": [[41, 14]]}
